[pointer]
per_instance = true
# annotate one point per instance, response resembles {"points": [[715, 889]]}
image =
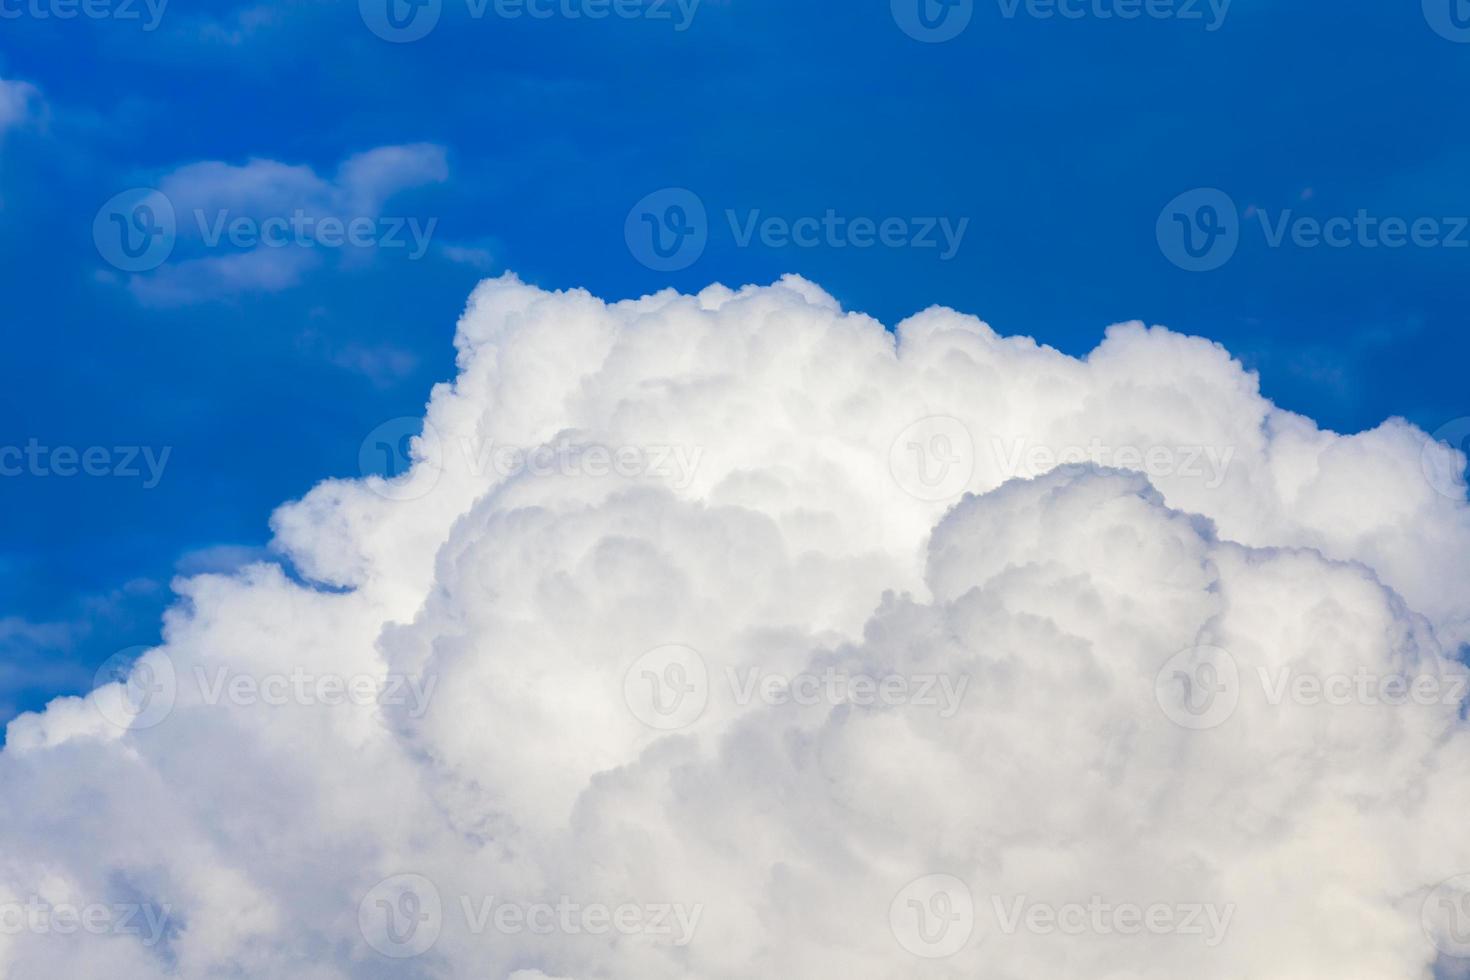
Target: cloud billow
{"points": [[733, 635]]}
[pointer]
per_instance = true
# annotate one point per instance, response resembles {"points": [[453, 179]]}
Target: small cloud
{"points": [[18, 103], [220, 559], [470, 255], [383, 365], [220, 229]]}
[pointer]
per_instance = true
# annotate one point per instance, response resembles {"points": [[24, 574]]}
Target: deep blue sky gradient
{"points": [[1060, 140]]}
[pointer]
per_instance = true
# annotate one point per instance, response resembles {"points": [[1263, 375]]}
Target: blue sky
{"points": [[1068, 149]]}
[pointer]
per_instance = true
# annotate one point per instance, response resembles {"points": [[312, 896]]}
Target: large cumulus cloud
{"points": [[734, 635]]}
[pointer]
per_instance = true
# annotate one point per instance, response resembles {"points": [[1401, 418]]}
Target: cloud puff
{"points": [[17, 101], [733, 635], [262, 226]]}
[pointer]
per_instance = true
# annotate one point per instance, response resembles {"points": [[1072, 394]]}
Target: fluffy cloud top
{"points": [[733, 635]]}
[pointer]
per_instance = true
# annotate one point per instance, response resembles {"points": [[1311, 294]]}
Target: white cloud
{"points": [[816, 533], [262, 226], [17, 102]]}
